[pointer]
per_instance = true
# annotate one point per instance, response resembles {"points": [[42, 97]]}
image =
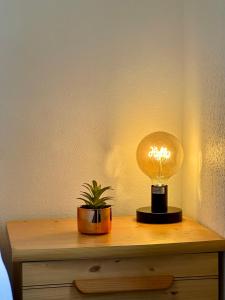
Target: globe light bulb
{"points": [[159, 156]]}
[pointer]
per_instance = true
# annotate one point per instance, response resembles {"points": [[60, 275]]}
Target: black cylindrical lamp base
{"points": [[159, 212], [146, 215], [159, 200]]}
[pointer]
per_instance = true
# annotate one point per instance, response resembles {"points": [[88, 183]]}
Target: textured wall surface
{"points": [[81, 82], [204, 114]]}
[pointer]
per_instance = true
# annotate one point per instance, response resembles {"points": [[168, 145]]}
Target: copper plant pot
{"points": [[94, 221]]}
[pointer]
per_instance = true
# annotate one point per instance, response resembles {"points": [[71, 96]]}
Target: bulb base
{"points": [[146, 215], [159, 198]]}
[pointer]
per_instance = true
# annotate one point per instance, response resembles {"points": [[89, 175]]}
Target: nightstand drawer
{"points": [[61, 272], [52, 261], [198, 289]]}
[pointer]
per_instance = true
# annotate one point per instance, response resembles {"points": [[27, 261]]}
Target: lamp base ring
{"points": [[145, 215]]}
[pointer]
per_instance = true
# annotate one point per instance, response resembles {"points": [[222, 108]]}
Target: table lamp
{"points": [[159, 156]]}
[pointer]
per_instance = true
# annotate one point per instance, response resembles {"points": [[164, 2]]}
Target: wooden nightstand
{"points": [[135, 261]]}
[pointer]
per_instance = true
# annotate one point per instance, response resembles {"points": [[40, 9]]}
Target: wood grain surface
{"points": [[181, 290], [124, 284], [37, 240], [179, 266]]}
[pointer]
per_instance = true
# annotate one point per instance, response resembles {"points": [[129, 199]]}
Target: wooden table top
{"points": [[58, 239]]}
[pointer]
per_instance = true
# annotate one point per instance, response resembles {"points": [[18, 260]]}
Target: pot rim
{"points": [[86, 208]]}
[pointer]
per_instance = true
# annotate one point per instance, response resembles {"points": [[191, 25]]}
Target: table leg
{"points": [[17, 281], [221, 269]]}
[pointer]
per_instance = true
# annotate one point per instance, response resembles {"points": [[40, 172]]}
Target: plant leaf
{"points": [[88, 196], [95, 184], [101, 191], [100, 203], [106, 198], [93, 193], [103, 200], [86, 201], [88, 187]]}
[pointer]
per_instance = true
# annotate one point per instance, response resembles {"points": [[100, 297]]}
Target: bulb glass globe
{"points": [[160, 156]]}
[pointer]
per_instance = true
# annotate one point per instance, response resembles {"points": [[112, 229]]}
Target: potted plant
{"points": [[95, 216]]}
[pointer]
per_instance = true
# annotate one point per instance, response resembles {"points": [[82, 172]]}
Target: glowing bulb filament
{"points": [[159, 154]]}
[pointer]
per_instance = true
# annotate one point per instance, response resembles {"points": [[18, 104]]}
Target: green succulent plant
{"points": [[92, 197]]}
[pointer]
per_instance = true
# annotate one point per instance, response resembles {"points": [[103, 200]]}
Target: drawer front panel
{"points": [[65, 272], [201, 289]]}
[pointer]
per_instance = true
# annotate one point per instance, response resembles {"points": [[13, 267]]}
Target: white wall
{"points": [[81, 82], [204, 111]]}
